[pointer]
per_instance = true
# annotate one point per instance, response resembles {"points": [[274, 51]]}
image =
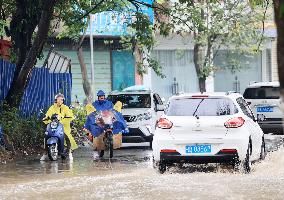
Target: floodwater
{"points": [[130, 175]]}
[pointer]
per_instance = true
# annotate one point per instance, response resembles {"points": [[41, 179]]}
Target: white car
{"points": [[141, 109], [208, 128], [264, 100]]}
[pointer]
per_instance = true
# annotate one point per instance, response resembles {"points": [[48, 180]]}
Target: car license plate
{"points": [[265, 109], [198, 148]]}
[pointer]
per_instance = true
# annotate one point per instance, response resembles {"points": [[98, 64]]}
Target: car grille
{"points": [[128, 118]]}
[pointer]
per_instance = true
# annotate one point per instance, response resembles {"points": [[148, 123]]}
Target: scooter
{"points": [[54, 139], [109, 125]]}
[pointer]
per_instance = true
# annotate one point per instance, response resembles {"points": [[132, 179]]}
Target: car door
{"points": [[256, 132]]}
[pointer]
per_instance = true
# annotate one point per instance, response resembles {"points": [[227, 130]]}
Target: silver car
{"points": [[264, 100]]}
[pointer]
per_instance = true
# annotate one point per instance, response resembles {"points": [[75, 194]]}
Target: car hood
{"points": [[135, 111]]}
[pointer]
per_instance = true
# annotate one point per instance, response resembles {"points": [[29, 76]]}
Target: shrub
{"points": [[24, 133]]}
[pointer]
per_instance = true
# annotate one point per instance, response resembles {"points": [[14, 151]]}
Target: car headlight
{"points": [[147, 116], [53, 125], [144, 116]]}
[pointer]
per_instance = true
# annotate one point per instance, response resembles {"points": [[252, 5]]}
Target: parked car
{"points": [[264, 100], [207, 128], [141, 108]]}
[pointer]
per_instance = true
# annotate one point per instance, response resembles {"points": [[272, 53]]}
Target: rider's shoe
{"points": [[43, 157], [95, 155]]}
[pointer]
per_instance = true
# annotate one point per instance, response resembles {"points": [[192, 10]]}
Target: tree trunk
{"points": [[21, 33], [202, 84], [279, 20], [86, 84], [17, 89], [197, 59]]}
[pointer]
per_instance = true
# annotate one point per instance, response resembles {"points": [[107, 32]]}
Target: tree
{"points": [[279, 20], [215, 24], [33, 18]]}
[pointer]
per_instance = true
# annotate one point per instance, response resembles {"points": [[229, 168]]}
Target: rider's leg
{"points": [[68, 147]]}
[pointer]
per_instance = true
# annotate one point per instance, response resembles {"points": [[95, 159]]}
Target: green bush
{"points": [[28, 133], [78, 123], [24, 133]]}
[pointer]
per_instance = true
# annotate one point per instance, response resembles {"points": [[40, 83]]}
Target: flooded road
{"points": [[130, 175]]}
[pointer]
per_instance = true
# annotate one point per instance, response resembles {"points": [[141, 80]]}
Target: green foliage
{"points": [[218, 25], [80, 116], [78, 123], [24, 133], [3, 23]]}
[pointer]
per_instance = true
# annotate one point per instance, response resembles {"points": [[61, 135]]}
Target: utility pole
{"points": [[92, 54]]}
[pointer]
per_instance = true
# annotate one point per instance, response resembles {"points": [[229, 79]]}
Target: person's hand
{"points": [[58, 117]]}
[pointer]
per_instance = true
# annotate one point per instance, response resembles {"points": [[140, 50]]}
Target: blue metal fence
{"points": [[7, 70], [41, 89]]}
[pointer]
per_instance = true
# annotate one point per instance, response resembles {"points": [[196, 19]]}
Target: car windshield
{"points": [[132, 100], [201, 107], [267, 92]]}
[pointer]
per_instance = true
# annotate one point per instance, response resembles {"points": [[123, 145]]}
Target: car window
{"points": [[244, 107], [264, 92], [132, 100], [200, 107]]}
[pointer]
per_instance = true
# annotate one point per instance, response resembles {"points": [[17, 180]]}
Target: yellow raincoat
{"points": [[66, 116], [90, 108], [117, 106]]}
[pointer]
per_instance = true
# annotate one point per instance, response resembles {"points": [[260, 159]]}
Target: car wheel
{"points": [[151, 144], [162, 167], [263, 150], [246, 164]]}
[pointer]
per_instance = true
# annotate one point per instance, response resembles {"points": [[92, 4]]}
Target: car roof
{"points": [[129, 92], [135, 89], [231, 95], [259, 84]]}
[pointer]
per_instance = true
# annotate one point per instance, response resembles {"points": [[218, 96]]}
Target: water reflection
{"points": [[54, 167]]}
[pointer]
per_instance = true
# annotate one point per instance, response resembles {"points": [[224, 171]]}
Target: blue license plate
{"points": [[265, 109], [198, 149]]}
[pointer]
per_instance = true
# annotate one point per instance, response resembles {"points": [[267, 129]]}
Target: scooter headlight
{"points": [[53, 125]]}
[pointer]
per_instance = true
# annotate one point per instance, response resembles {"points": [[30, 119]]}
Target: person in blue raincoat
{"points": [[102, 103], [93, 127]]}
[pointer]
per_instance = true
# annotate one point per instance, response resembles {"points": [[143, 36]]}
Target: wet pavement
{"points": [[130, 175]]}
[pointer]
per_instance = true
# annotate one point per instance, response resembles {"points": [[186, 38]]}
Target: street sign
{"points": [[114, 23]]}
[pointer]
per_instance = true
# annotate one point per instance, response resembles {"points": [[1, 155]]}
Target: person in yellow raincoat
{"points": [[65, 116]]}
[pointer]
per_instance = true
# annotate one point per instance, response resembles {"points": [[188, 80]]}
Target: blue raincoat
{"points": [[119, 126], [103, 105]]}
